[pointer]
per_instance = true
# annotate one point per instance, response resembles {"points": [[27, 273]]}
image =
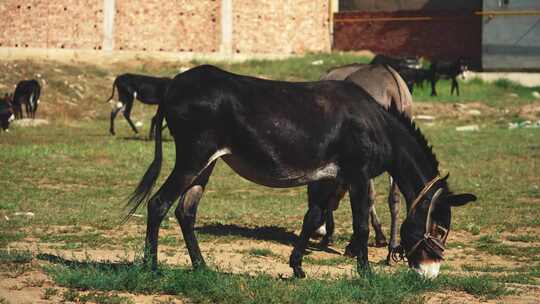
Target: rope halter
{"points": [[432, 244]]}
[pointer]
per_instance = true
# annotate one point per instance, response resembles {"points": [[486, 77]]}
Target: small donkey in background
{"points": [[149, 90]]}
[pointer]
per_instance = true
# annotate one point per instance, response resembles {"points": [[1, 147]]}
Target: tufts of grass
{"points": [[504, 83], [261, 252], [15, 256], [526, 238], [492, 244], [341, 260], [482, 285], [49, 293], [207, 286], [483, 268]]}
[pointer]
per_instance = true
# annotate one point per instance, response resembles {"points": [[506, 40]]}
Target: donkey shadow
{"points": [[265, 233]]}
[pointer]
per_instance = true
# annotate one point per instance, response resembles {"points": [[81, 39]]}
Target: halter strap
{"points": [[426, 188], [428, 240]]}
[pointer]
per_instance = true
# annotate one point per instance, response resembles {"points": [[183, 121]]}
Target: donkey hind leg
{"points": [[360, 207], [17, 108], [328, 194], [312, 220], [455, 85], [320, 196], [113, 116], [380, 239], [393, 205], [178, 182], [186, 214], [452, 86]]}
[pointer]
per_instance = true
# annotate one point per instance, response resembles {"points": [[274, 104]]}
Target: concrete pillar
{"points": [[226, 46], [333, 8], [109, 11]]}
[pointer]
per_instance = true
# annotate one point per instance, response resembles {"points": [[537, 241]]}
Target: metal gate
{"points": [[511, 35]]}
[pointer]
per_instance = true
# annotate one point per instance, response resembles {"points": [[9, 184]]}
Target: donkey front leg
{"points": [[360, 214], [127, 116], [152, 127]]}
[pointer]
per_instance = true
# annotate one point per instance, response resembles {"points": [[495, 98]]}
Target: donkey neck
{"points": [[413, 164]]}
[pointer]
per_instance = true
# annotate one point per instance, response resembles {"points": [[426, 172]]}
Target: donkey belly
{"points": [[281, 178]]}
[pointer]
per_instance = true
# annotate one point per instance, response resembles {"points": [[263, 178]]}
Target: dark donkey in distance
{"points": [[147, 89], [388, 88], [26, 93], [285, 134]]}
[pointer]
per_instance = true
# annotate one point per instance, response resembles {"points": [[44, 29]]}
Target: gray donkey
{"points": [[387, 88]]}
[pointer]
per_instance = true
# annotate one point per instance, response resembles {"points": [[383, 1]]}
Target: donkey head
{"points": [[424, 231]]}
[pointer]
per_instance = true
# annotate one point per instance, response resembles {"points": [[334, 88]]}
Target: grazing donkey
{"points": [[387, 88], [6, 112], [287, 134], [147, 89], [446, 69], [26, 93]]}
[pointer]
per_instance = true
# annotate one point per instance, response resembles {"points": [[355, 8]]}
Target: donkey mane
{"points": [[420, 138]]}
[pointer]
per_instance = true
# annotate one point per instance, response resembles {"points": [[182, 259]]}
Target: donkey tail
{"points": [[112, 95], [143, 190]]}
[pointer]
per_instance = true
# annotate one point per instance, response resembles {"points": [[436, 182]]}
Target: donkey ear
{"points": [[456, 200]]}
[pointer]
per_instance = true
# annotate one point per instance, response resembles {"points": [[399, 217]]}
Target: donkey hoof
{"points": [[380, 242], [298, 272], [325, 242], [350, 251]]}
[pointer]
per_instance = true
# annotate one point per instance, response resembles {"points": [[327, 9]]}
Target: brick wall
{"points": [[441, 34], [71, 24], [288, 26], [259, 27], [174, 26]]}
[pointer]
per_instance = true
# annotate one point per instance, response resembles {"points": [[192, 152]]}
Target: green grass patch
{"points": [[526, 238], [207, 286], [261, 252], [15, 256], [484, 268], [492, 245], [484, 286], [341, 260], [71, 295]]}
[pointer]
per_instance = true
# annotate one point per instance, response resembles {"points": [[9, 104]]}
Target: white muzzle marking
{"points": [[428, 270], [11, 118]]}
